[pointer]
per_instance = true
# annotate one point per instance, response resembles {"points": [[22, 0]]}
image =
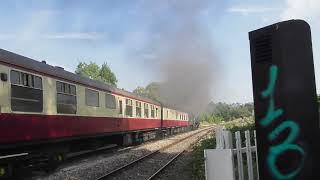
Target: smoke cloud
{"points": [[182, 50]]}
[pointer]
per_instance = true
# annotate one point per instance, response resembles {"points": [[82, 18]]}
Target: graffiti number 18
{"points": [[288, 144]]}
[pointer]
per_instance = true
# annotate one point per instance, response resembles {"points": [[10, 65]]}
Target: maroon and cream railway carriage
{"points": [[47, 111]]}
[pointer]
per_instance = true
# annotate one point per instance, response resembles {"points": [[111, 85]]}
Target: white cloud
{"points": [[76, 36], [245, 10], [301, 9]]}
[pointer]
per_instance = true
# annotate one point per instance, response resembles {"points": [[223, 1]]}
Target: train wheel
{"points": [[54, 161], [5, 171]]}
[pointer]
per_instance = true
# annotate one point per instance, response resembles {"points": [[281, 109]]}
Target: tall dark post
{"points": [[285, 101]]}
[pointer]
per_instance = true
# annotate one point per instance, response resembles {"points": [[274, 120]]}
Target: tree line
{"points": [[218, 112], [214, 113]]}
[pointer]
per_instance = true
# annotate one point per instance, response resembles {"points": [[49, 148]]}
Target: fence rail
{"points": [[244, 168]]}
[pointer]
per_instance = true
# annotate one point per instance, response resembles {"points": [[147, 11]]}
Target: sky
{"points": [[64, 33]]}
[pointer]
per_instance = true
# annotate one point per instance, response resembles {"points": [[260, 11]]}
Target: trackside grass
{"points": [[197, 167]]}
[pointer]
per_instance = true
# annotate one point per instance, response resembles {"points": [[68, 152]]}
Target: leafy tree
{"points": [[107, 75], [141, 91], [150, 91], [93, 71], [153, 90]]}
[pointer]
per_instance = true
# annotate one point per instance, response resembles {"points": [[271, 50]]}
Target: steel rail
{"points": [[164, 166], [121, 168], [174, 158]]}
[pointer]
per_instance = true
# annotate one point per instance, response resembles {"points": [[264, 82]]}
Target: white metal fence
{"points": [[243, 157]]}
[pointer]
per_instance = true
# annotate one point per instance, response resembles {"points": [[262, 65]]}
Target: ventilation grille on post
{"points": [[263, 48]]}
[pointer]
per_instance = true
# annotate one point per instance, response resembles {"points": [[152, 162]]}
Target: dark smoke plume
{"points": [[183, 52]]}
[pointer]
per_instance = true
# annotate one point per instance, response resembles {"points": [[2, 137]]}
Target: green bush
{"points": [[234, 127], [197, 163], [198, 169], [218, 112], [211, 119]]}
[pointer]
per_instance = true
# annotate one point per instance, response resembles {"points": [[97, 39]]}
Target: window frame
{"points": [[120, 107], [146, 113], [138, 107], [14, 105], [21, 83], [113, 98], [69, 86], [86, 97], [70, 93], [152, 114], [129, 105]]}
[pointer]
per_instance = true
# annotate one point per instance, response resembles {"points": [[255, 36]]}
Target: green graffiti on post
{"points": [[287, 145], [271, 114]]}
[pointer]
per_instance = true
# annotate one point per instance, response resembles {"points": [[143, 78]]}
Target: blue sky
{"points": [[66, 32]]}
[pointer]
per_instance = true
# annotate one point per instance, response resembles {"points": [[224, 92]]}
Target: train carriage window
{"points": [[156, 112], [37, 82], [66, 98], [152, 111], [30, 80], [24, 78], [73, 89], [138, 109], [59, 87], [15, 77], [66, 87], [129, 107], [92, 98], [120, 107], [26, 92], [167, 114], [146, 110], [110, 101]]}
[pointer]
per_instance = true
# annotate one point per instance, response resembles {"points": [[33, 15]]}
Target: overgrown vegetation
{"points": [[198, 166], [240, 125], [222, 112], [198, 169]]}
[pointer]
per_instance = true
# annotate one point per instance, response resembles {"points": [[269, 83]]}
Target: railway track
{"points": [[158, 160], [71, 158]]}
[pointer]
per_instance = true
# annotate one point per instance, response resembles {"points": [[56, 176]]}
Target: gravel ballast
{"points": [[93, 167], [145, 168]]}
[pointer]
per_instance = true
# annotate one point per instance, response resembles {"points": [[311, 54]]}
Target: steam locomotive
{"points": [[47, 112]]}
